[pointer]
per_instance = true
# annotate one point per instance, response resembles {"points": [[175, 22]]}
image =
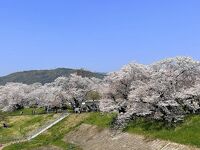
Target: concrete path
{"points": [[44, 128], [39, 131]]}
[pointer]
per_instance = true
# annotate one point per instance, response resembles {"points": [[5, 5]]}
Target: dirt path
{"points": [[91, 137]]}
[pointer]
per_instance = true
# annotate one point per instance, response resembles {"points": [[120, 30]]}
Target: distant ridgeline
{"points": [[46, 76]]}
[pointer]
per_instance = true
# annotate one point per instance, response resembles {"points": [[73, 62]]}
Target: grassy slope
{"points": [[55, 135], [103, 120], [185, 133], [20, 126]]}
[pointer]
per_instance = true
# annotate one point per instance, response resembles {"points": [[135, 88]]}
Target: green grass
{"points": [[103, 120], [20, 126], [185, 133], [26, 111], [55, 135]]}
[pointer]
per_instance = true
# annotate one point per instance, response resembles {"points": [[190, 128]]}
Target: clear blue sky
{"points": [[99, 35]]}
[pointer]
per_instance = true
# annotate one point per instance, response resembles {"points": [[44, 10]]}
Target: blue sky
{"points": [[99, 35]]}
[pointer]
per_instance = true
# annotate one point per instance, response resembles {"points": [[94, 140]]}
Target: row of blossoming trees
{"points": [[64, 91], [166, 90]]}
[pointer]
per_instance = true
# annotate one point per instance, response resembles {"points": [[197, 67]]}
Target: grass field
{"points": [[27, 111], [103, 120], [54, 136], [21, 126], [185, 133]]}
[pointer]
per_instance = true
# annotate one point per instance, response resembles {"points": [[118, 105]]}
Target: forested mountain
{"points": [[45, 76]]}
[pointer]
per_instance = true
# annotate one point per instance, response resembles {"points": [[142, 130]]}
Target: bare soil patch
{"points": [[90, 137]]}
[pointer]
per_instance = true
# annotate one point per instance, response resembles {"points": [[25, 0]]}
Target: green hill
{"points": [[45, 76]]}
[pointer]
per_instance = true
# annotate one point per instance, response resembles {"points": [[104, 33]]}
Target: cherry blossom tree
{"points": [[13, 96], [120, 81], [157, 91], [75, 88]]}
